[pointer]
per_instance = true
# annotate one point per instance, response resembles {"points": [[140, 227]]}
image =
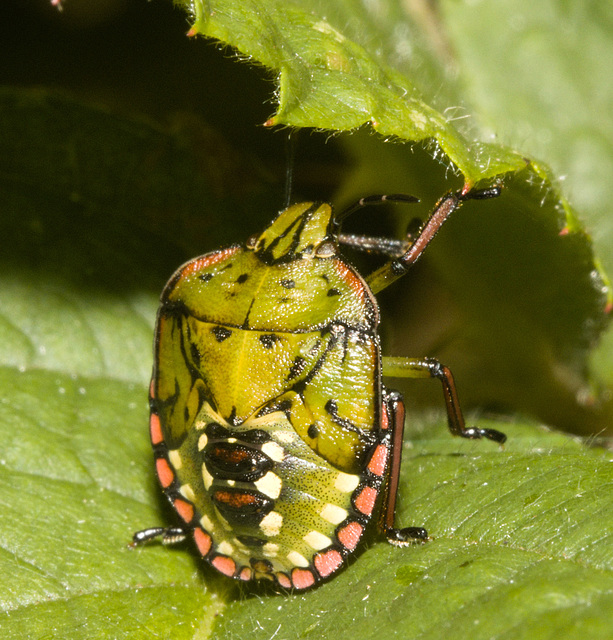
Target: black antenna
{"points": [[290, 155]]}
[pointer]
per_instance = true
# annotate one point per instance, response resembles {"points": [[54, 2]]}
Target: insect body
{"points": [[274, 437]]}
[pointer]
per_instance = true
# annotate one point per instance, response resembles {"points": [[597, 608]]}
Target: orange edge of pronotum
{"points": [[352, 280], [207, 261]]}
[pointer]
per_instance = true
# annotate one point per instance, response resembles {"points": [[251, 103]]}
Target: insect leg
{"points": [[431, 368], [396, 268], [393, 405], [169, 535], [392, 247]]}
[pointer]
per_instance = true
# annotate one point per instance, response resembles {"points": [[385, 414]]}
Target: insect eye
{"points": [[252, 242], [326, 249]]}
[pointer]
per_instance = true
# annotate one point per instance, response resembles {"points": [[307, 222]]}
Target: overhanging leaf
{"points": [[329, 82], [528, 544], [557, 109]]}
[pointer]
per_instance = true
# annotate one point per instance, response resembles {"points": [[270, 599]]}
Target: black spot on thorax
{"points": [[268, 340], [221, 333], [195, 353], [297, 367]]}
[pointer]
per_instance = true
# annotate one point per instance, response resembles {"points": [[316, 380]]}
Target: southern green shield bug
{"points": [[273, 434]]}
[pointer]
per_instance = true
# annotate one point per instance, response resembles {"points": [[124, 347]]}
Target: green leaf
{"points": [[328, 81], [537, 74], [76, 480], [557, 108], [98, 210]]}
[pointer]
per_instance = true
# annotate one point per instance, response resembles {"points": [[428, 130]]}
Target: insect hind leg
{"points": [[393, 406], [397, 267]]}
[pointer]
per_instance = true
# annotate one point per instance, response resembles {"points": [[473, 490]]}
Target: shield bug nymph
{"points": [[274, 436]]}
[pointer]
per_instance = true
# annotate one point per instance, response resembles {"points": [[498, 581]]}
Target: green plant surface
{"points": [[328, 81], [520, 535], [99, 209]]}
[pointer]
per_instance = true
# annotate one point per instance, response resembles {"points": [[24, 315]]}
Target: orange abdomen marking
{"points": [[327, 563], [184, 509], [302, 578], [203, 541], [165, 472], [225, 565], [378, 461], [155, 429], [365, 501], [350, 535]]}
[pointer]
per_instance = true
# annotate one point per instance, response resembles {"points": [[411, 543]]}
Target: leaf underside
{"points": [[99, 210]]}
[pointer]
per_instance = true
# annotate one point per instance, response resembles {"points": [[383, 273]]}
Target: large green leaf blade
{"points": [[498, 535]]}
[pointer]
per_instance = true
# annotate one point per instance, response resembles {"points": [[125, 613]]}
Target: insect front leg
{"points": [[431, 368], [169, 535], [396, 268]]}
